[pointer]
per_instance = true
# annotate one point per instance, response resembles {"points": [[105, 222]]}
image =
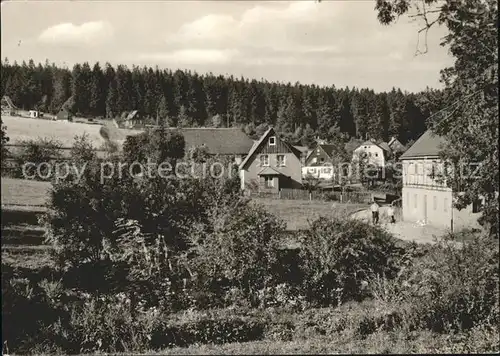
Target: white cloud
{"points": [[192, 56], [337, 36], [298, 27], [88, 33]]}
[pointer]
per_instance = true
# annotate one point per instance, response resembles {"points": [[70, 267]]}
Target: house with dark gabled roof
{"points": [[426, 197], [218, 141], [133, 120], [271, 164], [375, 153], [319, 162], [395, 145]]}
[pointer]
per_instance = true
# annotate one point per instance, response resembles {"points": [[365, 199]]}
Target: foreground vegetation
{"points": [[154, 265]]}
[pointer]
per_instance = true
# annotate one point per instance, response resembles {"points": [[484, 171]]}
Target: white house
{"points": [[426, 196], [376, 153]]}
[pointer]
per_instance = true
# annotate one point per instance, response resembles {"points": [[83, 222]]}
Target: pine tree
{"points": [[183, 119], [97, 92], [164, 117], [62, 89], [380, 127]]}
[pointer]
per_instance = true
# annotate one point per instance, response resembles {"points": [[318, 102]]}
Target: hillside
{"points": [[184, 98]]}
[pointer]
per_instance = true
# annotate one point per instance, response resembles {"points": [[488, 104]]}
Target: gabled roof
{"points": [[326, 147], [382, 145], [218, 140], [223, 141], [302, 149], [428, 145], [393, 141], [257, 144], [268, 171]]}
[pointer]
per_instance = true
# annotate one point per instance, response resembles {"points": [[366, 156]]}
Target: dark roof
{"points": [[268, 171], [428, 145], [224, 141], [302, 149], [217, 140], [382, 145], [328, 149]]}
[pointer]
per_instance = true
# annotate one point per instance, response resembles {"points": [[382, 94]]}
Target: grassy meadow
{"points": [[21, 129]]}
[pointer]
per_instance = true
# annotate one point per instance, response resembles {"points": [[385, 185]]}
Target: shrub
{"points": [[37, 151], [239, 249], [339, 254], [451, 288]]}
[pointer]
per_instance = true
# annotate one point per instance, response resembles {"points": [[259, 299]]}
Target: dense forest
{"points": [[186, 98]]}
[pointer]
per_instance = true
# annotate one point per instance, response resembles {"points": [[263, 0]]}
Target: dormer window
{"points": [[272, 141]]}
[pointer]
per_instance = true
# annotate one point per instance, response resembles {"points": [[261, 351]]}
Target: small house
{"points": [[272, 164], [64, 114], [133, 120]]}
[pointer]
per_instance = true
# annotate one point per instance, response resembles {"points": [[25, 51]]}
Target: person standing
{"points": [[390, 212], [374, 208]]}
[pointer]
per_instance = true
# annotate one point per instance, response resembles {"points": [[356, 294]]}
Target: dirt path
{"points": [[404, 230]]}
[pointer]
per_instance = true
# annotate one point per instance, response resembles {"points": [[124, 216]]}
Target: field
{"points": [[19, 129], [299, 213], [24, 193]]}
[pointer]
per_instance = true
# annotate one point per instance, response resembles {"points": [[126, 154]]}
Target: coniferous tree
{"points": [[97, 92]]}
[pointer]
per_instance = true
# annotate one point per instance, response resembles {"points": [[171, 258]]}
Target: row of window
{"points": [[434, 202], [369, 154], [326, 170], [280, 160], [477, 205]]}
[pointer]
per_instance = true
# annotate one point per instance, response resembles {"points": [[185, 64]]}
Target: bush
{"points": [[37, 151], [339, 254], [451, 288], [238, 249]]}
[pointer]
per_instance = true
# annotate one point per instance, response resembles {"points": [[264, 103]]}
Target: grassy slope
{"points": [[24, 192], [19, 128]]}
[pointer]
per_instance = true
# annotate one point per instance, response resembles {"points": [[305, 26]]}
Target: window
{"points": [[477, 206], [321, 159], [415, 198], [369, 154], [376, 154], [264, 160], [272, 141], [326, 170], [445, 205], [408, 199], [435, 202], [269, 182], [281, 161]]}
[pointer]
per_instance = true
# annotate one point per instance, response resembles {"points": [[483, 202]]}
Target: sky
{"points": [[337, 43]]}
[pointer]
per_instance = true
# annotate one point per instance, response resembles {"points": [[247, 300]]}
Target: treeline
{"points": [[185, 98]]}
